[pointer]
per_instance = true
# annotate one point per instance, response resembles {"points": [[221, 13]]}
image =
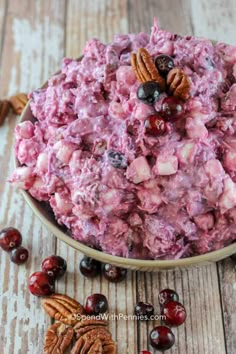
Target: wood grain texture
{"points": [[227, 281], [33, 47], [35, 35]]}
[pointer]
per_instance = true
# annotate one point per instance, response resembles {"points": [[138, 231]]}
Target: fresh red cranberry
{"points": [[145, 352], [164, 64], [172, 109], [41, 284], [114, 274], [162, 338], [174, 312], [143, 310], [96, 304], [55, 266], [90, 267], [167, 295], [10, 238], [155, 125], [19, 255], [149, 92]]}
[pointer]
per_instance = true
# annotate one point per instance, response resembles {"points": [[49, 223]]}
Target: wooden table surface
{"points": [[35, 35]]}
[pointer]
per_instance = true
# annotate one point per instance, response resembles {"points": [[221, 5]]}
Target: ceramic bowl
{"points": [[49, 221]]}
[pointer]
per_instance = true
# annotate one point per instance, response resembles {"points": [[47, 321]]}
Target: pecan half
{"points": [[63, 308], [85, 326], [58, 338], [145, 69], [179, 83], [4, 110], [85, 342], [18, 102]]}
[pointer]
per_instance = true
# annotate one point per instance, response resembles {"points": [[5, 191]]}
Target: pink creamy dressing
{"points": [[177, 195]]}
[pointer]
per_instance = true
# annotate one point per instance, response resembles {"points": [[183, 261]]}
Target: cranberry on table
{"points": [[167, 295], [172, 109], [143, 310], [174, 312], [89, 267], [10, 238], [19, 255], [96, 304], [155, 125], [54, 266], [149, 92], [162, 338], [164, 64], [41, 284], [114, 274], [145, 352]]}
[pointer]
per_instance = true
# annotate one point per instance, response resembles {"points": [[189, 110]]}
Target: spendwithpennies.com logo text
{"points": [[118, 317]]}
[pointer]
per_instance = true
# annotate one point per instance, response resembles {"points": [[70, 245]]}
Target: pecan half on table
{"points": [[63, 308], [4, 110], [92, 335], [18, 102]]}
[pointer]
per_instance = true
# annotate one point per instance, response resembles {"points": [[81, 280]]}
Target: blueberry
{"points": [[164, 64], [149, 92], [116, 159]]}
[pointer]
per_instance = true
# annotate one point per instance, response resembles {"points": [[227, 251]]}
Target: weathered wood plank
{"points": [[218, 22], [174, 16], [227, 278], [215, 19], [3, 13], [87, 19], [198, 290], [33, 47]]}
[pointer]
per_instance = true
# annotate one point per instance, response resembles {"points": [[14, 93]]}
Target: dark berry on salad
{"points": [[116, 159], [172, 109], [149, 92], [155, 125], [164, 64]]}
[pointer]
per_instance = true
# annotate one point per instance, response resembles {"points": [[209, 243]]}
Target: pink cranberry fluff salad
{"points": [[114, 183]]}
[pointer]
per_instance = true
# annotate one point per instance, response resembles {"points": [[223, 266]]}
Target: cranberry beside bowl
{"points": [[197, 145]]}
